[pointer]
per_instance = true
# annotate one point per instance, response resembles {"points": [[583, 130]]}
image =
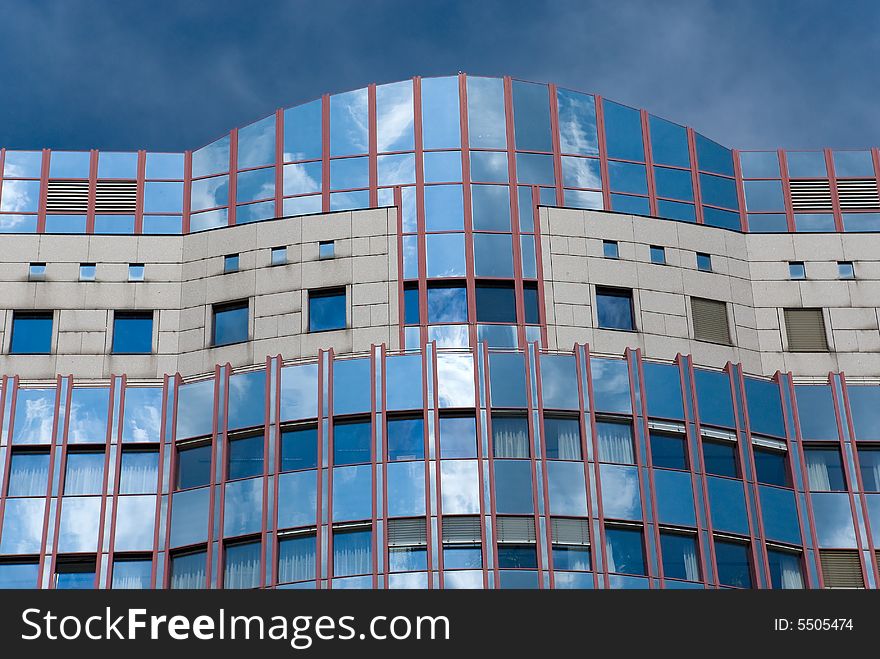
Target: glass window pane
{"points": [[403, 390], [194, 467], [84, 473], [394, 117], [87, 416], [615, 440], [406, 439], [458, 437], [31, 333], [513, 486], [351, 386], [834, 520], [759, 164], [720, 458], [245, 457], [327, 310], [611, 391], [559, 384], [531, 113], [669, 144], [396, 169], [164, 166], [299, 448], [771, 467], [188, 570], [69, 164], [441, 120], [486, 123], [406, 489], [623, 132], [675, 498], [297, 499], [23, 164], [445, 255], [728, 506], [351, 442], [627, 177], [733, 564], [581, 172], [255, 184], [668, 451], [491, 207], [814, 222], [713, 157], [195, 408], [256, 143], [242, 507], [851, 164], [864, 401], [614, 309], [455, 380], [230, 324], [488, 166], [460, 490], [20, 535], [117, 165], [510, 437], [78, 529], [139, 473], [674, 183], [242, 565], [448, 304], [779, 514], [352, 552], [209, 192], [211, 159], [663, 384], [620, 492], [493, 255], [535, 169], [806, 164], [297, 558], [302, 132], [135, 523], [567, 488], [824, 469], [163, 197], [20, 196], [495, 304], [785, 569], [28, 475], [625, 550], [302, 178], [680, 556], [132, 574], [765, 407], [34, 410], [714, 397], [133, 333], [349, 123], [718, 191], [346, 173], [299, 392], [507, 380], [869, 465], [247, 400], [442, 166], [577, 123], [189, 517], [764, 196]]}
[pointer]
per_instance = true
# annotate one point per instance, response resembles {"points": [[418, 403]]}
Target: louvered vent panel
{"points": [[67, 196], [464, 530], [810, 195], [516, 529], [116, 197], [841, 569], [805, 330], [710, 320], [407, 532], [73, 196], [860, 193], [569, 531]]}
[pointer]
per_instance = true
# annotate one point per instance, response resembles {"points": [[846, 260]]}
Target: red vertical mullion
{"points": [[6, 465], [649, 162], [212, 498], [373, 130], [272, 579], [154, 553], [740, 191], [426, 450], [401, 297], [475, 354], [649, 462], [468, 214], [319, 475], [187, 190], [603, 157], [786, 190], [62, 473], [514, 212], [44, 188], [379, 544], [435, 411], [175, 383], [583, 408], [490, 458], [557, 143], [832, 187], [596, 469], [530, 409], [698, 462], [279, 163], [93, 186], [233, 173], [107, 498], [141, 191], [695, 174], [268, 470], [325, 153], [331, 357], [544, 477]]}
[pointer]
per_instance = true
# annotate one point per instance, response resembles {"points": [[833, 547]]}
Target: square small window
{"points": [[609, 249], [133, 332], [37, 271], [135, 272], [704, 262], [31, 333], [230, 323], [279, 255], [719, 458], [658, 255], [87, 271], [230, 263], [327, 310], [846, 270], [326, 249], [797, 270], [245, 457], [615, 309], [193, 467]]}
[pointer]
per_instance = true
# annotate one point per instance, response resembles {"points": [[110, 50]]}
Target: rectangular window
{"points": [[704, 262], [719, 458], [28, 474], [516, 542], [841, 569], [193, 467], [625, 551], [510, 437], [411, 304], [327, 310], [19, 574], [797, 270], [278, 256], [771, 466], [230, 263], [614, 308], [87, 271], [668, 451], [326, 249], [571, 544], [562, 438], [609, 249], [245, 457], [458, 437], [734, 563], [846, 270], [84, 473], [462, 543], [299, 448], [805, 330], [496, 303], [230, 323], [188, 570], [785, 569], [407, 545], [131, 574], [680, 556], [658, 255], [406, 440], [351, 442], [352, 551], [532, 314], [76, 574], [615, 441], [135, 272], [132, 332], [37, 271], [139, 472], [242, 565], [296, 557], [869, 465], [824, 469], [31, 333], [710, 321]]}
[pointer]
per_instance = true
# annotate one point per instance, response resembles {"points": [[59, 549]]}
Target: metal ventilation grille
{"points": [[569, 531], [805, 329], [710, 321], [810, 195], [841, 569], [861, 193], [73, 196], [67, 196], [407, 532], [516, 529], [464, 530]]}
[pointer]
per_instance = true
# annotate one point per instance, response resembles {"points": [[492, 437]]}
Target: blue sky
{"points": [[171, 75]]}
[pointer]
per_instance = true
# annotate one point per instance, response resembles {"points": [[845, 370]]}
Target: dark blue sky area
{"points": [[171, 75]]}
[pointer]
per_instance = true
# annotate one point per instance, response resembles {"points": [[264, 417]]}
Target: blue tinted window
{"points": [[28, 475], [139, 472], [411, 305], [764, 196], [845, 270], [444, 205], [230, 323], [535, 169], [352, 552], [407, 559], [571, 558], [246, 457], [785, 569], [668, 451], [609, 249], [680, 556], [348, 123], [771, 467], [462, 558], [132, 574], [445, 256], [510, 437], [491, 207], [302, 132], [713, 395], [658, 255], [327, 310], [84, 473], [627, 177], [577, 123], [296, 558], [765, 407], [493, 255], [406, 439], [759, 164], [734, 566], [531, 114], [507, 383], [611, 385], [447, 304], [530, 306], [75, 575], [715, 217], [562, 438], [625, 550], [663, 384], [486, 122], [674, 183], [31, 333], [628, 204], [852, 163], [719, 458], [351, 442], [669, 144], [776, 223], [806, 164], [713, 157], [797, 270], [814, 222], [495, 304], [133, 332], [242, 565], [704, 262], [299, 448], [194, 467], [517, 556], [19, 575], [864, 401], [623, 132], [869, 465], [614, 309], [489, 166], [718, 191], [441, 127], [824, 469], [188, 570]]}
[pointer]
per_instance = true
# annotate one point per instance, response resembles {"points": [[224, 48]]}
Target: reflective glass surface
{"points": [[406, 489], [211, 159], [447, 304], [614, 309], [713, 157], [675, 498], [302, 132], [351, 386], [680, 556], [256, 143], [668, 451], [765, 407], [34, 409], [349, 123], [577, 122], [194, 467], [759, 164], [567, 489], [495, 304], [441, 123], [245, 457], [734, 564], [230, 323], [714, 397], [669, 145], [31, 333], [620, 492], [611, 385], [405, 439], [806, 164], [507, 379], [133, 332], [242, 507], [663, 383], [625, 552], [864, 402], [351, 442], [486, 124], [623, 132], [327, 310], [727, 502], [28, 475]]}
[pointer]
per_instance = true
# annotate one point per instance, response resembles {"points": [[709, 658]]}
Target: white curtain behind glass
{"points": [[139, 472], [351, 553], [510, 437], [817, 471], [188, 571], [84, 474], [615, 442], [567, 436], [691, 567], [296, 560], [791, 573], [29, 475], [242, 566]]}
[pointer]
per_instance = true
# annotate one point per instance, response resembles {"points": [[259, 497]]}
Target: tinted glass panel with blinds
{"points": [[805, 330], [566, 531], [407, 532], [710, 320], [515, 529], [841, 569], [462, 529]]}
